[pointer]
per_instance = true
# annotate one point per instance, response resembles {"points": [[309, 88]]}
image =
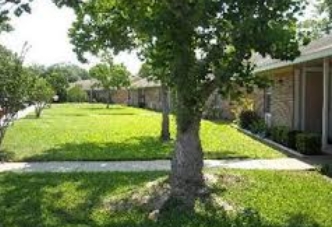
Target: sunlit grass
{"points": [[92, 132]]}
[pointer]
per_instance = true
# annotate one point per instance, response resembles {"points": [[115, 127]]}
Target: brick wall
{"points": [[120, 97], [282, 100], [133, 94], [258, 97], [217, 107], [153, 98]]}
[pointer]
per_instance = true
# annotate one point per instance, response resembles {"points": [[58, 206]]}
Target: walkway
{"points": [[22, 113], [159, 165]]}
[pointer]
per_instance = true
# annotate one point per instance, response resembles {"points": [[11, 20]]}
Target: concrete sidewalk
{"points": [[22, 113], [158, 165]]}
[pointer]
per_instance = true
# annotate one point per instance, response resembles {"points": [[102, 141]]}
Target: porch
{"points": [[312, 99]]}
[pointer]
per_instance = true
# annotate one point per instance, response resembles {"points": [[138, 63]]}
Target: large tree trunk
{"points": [[187, 182], [165, 133]]}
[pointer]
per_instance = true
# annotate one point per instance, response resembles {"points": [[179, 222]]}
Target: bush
{"points": [[77, 94], [308, 143], [292, 138], [247, 118], [259, 127], [279, 134], [325, 169]]}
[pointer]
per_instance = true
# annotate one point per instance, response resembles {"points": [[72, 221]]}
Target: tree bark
{"points": [[108, 99], [165, 133], [187, 182], [3, 129], [39, 109], [2, 134]]}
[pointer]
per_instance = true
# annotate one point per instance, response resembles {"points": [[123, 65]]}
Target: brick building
{"points": [[301, 94]]}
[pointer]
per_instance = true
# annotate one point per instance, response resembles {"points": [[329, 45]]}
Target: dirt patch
{"points": [[152, 196], [222, 179]]}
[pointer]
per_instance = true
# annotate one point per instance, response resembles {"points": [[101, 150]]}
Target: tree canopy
{"points": [[9, 8], [41, 94], [14, 87], [111, 77]]}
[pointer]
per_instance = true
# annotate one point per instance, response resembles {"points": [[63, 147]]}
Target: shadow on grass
{"points": [[136, 148], [79, 200], [117, 114], [225, 155], [103, 108], [60, 199], [30, 117]]}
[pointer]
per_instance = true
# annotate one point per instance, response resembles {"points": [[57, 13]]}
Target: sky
{"points": [[45, 30]]}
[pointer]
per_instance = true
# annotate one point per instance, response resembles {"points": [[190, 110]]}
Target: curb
{"points": [[275, 145]]}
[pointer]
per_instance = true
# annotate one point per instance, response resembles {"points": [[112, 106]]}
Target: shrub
{"points": [[259, 127], [292, 138], [279, 134], [77, 94], [308, 143], [325, 169], [241, 105], [247, 118]]}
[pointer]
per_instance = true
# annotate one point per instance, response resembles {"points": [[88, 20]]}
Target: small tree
{"points": [[41, 94], [59, 82], [13, 87], [77, 94], [110, 77], [151, 73]]}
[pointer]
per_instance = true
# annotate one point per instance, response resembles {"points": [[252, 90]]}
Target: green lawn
{"points": [[92, 132], [278, 199]]}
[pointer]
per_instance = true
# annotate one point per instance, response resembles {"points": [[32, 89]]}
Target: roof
{"points": [[86, 85], [317, 49], [144, 83]]}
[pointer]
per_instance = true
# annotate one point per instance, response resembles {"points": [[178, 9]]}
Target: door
{"points": [[314, 102]]}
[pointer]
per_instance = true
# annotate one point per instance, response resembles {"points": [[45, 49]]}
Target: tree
{"points": [[9, 8], [41, 94], [111, 77], [324, 6], [59, 82], [315, 27], [70, 71], [77, 94], [14, 85], [319, 23], [207, 44], [149, 72]]}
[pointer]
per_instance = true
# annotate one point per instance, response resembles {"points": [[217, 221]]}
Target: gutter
{"points": [[299, 60]]}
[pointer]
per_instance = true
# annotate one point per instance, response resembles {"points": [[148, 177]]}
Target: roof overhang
{"points": [[302, 59]]}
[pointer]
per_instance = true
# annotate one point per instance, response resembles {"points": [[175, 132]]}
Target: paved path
{"points": [[22, 113], [25, 112], [161, 165]]}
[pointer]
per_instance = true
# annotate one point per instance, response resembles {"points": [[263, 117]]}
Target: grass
{"points": [[276, 199], [92, 132]]}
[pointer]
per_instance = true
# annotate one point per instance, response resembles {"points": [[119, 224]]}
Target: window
{"points": [[267, 100]]}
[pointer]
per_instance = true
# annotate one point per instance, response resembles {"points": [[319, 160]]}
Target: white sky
{"points": [[46, 29]]}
